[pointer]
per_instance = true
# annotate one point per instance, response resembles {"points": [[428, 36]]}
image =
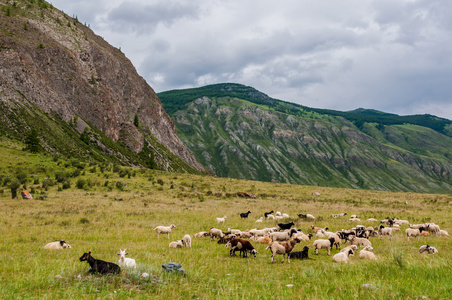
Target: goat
{"points": [[242, 245], [244, 215], [300, 254], [283, 226], [268, 213], [282, 248], [126, 261], [100, 266]]}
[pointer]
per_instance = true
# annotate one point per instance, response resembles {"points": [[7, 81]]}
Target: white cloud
{"points": [[383, 54]]}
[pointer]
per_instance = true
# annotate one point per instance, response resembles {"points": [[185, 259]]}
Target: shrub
{"points": [[80, 183], [14, 186], [66, 185], [6, 181], [120, 185], [83, 221], [22, 177]]}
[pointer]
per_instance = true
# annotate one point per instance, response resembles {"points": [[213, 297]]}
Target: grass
{"points": [[90, 219]]}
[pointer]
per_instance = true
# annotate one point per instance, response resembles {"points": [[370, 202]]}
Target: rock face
{"points": [[54, 62]]}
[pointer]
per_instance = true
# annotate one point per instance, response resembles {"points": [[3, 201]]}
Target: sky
{"points": [[389, 55]]}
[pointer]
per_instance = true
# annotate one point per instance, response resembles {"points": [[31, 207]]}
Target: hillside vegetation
{"points": [[239, 132], [104, 207]]}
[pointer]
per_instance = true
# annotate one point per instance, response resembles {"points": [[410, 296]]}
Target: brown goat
{"points": [[282, 248]]}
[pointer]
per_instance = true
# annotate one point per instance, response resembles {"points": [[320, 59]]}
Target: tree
{"points": [[135, 121], [32, 141], [14, 185]]}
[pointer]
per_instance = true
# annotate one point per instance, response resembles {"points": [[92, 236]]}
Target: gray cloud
{"points": [[381, 54]]}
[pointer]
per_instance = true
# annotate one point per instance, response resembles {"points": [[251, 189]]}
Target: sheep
{"points": [[282, 248], [433, 228], [100, 266], [164, 229], [215, 233], [244, 215], [323, 244], [353, 247], [371, 220], [176, 244], [354, 220], [221, 220], [428, 249], [282, 236], [283, 226], [413, 232], [353, 216], [234, 231], [337, 239], [270, 217], [259, 220], [300, 254], [268, 213], [343, 256], [242, 245], [186, 241], [126, 261], [278, 213], [385, 231], [425, 233], [225, 240], [416, 226], [443, 233], [285, 215], [57, 245], [302, 236], [316, 229], [257, 232], [245, 234], [279, 217], [367, 253], [338, 215], [264, 240], [201, 234], [306, 216], [345, 234], [361, 242]]}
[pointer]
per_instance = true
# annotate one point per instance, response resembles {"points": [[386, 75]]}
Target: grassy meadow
{"points": [[103, 208]]}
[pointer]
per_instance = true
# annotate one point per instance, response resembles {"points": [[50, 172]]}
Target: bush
{"points": [[22, 177], [6, 181], [14, 186], [120, 185], [66, 185], [80, 183]]}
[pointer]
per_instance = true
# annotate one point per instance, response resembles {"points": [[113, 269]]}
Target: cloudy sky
{"points": [[390, 55]]}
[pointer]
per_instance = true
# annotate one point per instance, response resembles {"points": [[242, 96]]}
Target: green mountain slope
{"points": [[237, 131]]}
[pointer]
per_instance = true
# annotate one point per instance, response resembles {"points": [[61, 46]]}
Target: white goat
{"points": [[126, 261], [221, 220], [57, 245]]}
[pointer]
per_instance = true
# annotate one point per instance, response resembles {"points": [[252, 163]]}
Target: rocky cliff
{"points": [[54, 63]]}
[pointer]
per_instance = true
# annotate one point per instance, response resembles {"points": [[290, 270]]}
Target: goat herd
{"points": [[282, 239]]}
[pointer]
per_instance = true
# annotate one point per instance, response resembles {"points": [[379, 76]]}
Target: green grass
{"points": [[90, 219]]}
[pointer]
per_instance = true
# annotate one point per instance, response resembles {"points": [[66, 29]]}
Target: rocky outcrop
{"points": [[54, 62]]}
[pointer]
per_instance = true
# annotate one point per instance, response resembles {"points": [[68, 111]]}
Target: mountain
{"points": [[237, 131], [82, 97]]}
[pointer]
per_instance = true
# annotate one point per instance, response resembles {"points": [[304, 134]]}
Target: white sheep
{"points": [[278, 213], [309, 216], [428, 249], [413, 232], [385, 231], [353, 247], [186, 241], [433, 228], [235, 231], [343, 256], [282, 236], [57, 245], [367, 253], [164, 229], [279, 217], [221, 220], [323, 244], [201, 234], [443, 233], [270, 217], [354, 220], [259, 220], [371, 220], [176, 244], [259, 232], [215, 233], [361, 242], [126, 261], [285, 215]]}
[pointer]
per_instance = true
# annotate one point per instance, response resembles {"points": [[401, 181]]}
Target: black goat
{"points": [[244, 215], [100, 266], [300, 254], [268, 213], [283, 226], [301, 216]]}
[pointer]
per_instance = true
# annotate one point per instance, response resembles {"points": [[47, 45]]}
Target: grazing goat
{"points": [[268, 213], [338, 215], [282, 248], [164, 230], [284, 226], [57, 245], [221, 220], [282, 236], [242, 245], [215, 233], [126, 261], [100, 266], [244, 215], [300, 254]]}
